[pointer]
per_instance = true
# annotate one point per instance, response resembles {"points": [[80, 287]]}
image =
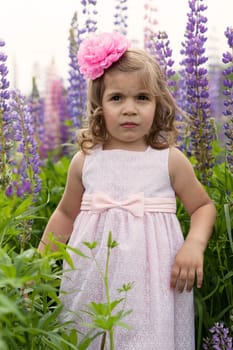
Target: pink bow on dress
{"points": [[136, 204]]}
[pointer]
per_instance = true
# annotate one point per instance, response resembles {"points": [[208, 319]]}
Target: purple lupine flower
{"points": [[228, 97], [157, 45], [76, 91], [194, 74], [121, 17], [220, 338], [149, 28], [215, 82], [36, 106], [182, 126], [25, 163], [6, 144], [163, 54], [90, 12]]}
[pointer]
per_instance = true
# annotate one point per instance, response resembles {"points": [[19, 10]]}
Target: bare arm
{"points": [[188, 263], [62, 219]]}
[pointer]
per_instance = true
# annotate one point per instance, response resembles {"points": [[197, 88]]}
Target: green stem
{"points": [[106, 284], [97, 265]]}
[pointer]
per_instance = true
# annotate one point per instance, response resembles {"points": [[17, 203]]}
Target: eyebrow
{"points": [[119, 92]]}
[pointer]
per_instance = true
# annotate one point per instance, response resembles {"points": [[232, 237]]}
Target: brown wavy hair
{"points": [[163, 131]]}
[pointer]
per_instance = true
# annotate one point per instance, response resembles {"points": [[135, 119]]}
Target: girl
{"points": [[125, 179]]}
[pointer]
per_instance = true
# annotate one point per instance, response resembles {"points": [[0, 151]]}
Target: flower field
{"points": [[37, 141]]}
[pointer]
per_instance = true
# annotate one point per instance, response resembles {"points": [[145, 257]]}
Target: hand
{"points": [[187, 267]]}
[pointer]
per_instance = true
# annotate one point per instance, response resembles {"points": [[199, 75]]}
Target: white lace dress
{"points": [[130, 194]]}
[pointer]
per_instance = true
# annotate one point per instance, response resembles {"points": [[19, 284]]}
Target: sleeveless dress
{"points": [[130, 194]]}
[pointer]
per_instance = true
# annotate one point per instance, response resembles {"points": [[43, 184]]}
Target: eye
{"points": [[143, 97], [115, 98]]}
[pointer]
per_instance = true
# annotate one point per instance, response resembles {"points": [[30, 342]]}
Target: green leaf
{"points": [[114, 303], [126, 287], [7, 306], [111, 243], [90, 245], [88, 339], [98, 308], [49, 318], [228, 224]]}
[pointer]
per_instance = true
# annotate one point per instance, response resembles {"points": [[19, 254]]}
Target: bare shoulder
{"points": [[176, 154], [184, 181], [179, 165], [76, 164]]}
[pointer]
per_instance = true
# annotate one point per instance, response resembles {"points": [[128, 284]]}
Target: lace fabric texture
{"points": [[161, 318]]}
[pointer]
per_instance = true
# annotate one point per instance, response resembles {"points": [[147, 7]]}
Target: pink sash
{"points": [[136, 204]]}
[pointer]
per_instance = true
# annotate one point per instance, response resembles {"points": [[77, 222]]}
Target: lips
{"points": [[129, 125]]}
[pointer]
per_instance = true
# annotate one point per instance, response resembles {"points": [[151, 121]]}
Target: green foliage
{"points": [[53, 177], [102, 317], [33, 322], [29, 282], [214, 301], [29, 304]]}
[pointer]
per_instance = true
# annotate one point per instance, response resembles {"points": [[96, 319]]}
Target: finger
{"points": [[190, 280], [181, 281], [199, 277], [174, 275]]}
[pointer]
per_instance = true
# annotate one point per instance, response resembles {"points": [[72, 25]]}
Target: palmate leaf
{"points": [[91, 245], [103, 308], [125, 287], [100, 322], [108, 322], [112, 321], [102, 317]]}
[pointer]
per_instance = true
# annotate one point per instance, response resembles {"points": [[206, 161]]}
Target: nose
{"points": [[129, 107]]}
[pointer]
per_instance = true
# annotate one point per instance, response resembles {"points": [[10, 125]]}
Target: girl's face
{"points": [[128, 109]]}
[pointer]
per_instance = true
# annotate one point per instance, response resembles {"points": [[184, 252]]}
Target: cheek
{"points": [[109, 113], [150, 117], [108, 118]]}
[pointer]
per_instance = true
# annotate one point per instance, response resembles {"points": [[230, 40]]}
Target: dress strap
{"points": [[136, 204]]}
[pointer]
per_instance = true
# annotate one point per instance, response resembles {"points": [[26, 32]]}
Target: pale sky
{"points": [[36, 32]]}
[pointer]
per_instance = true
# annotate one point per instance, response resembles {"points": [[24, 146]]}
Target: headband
{"points": [[98, 52]]}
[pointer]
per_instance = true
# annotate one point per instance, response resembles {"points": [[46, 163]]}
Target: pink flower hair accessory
{"points": [[98, 52]]}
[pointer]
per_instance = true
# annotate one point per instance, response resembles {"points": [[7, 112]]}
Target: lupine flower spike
{"points": [[228, 97], [6, 143], [36, 106], [121, 17], [220, 338], [26, 162], [163, 54], [76, 91], [197, 95], [150, 27]]}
